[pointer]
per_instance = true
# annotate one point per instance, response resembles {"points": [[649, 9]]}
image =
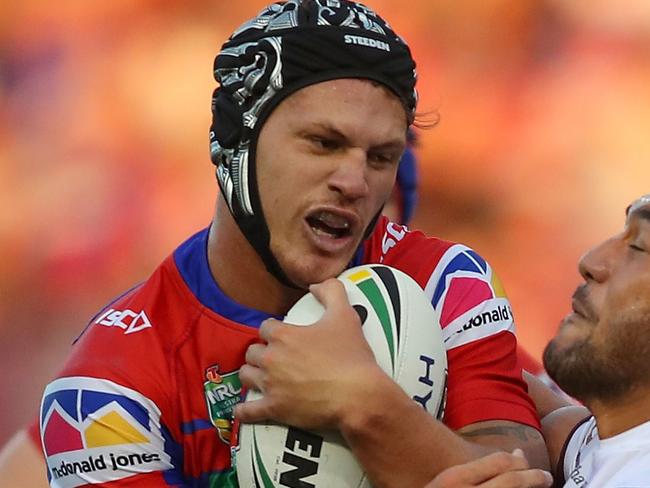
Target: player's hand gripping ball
{"points": [[400, 326]]}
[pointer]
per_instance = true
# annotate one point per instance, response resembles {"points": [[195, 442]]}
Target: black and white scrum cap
{"points": [[289, 46]]}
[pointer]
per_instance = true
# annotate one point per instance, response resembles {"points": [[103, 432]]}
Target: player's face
{"points": [[326, 162], [601, 348]]}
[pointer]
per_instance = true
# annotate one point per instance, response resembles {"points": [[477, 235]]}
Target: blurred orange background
{"points": [[104, 167]]}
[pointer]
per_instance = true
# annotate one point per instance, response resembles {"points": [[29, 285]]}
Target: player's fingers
{"points": [[498, 462], [497, 470], [268, 328], [255, 354], [487, 467], [252, 377], [528, 478], [252, 411]]}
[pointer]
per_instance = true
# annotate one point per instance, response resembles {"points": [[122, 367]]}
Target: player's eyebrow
{"points": [[329, 129], [332, 131]]}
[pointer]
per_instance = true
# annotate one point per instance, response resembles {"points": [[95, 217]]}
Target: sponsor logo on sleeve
{"points": [[489, 318], [468, 298], [95, 431]]}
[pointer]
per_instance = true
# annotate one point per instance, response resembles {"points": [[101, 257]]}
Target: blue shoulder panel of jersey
{"points": [[191, 259]]}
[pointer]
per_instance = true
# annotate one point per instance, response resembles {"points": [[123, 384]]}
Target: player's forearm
{"points": [[557, 426], [400, 444], [507, 435], [546, 400]]}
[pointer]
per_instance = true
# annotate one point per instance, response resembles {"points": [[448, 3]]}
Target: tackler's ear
{"points": [[227, 119]]}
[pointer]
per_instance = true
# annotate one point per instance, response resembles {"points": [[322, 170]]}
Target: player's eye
{"points": [[382, 158], [636, 248], [325, 143]]}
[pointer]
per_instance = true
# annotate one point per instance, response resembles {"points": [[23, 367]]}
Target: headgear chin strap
{"points": [[289, 46]]}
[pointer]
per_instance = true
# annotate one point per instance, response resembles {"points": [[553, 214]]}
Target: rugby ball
{"points": [[399, 324]]}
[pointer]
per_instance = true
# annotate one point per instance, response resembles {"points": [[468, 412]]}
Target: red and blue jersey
{"points": [[146, 397]]}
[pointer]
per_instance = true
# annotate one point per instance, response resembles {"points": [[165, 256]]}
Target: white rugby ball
{"points": [[399, 324]]}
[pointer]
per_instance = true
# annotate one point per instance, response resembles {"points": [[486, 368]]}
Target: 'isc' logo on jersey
{"points": [[95, 431], [127, 320]]}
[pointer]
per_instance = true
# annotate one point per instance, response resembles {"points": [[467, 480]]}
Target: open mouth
{"points": [[329, 224]]}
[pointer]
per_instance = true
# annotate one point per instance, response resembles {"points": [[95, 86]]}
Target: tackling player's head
{"points": [[600, 351], [288, 47]]}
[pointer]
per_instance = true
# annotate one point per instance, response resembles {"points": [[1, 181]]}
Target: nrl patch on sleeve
{"points": [[95, 431]]}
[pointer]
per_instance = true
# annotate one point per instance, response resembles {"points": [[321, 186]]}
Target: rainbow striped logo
{"points": [[379, 286]]}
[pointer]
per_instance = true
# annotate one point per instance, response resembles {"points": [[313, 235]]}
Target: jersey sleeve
{"points": [[570, 454], [473, 311], [107, 418], [485, 377]]}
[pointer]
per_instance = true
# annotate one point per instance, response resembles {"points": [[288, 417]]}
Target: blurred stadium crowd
{"points": [[543, 139]]}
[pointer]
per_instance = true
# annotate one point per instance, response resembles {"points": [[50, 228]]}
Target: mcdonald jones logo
{"points": [[94, 430]]}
